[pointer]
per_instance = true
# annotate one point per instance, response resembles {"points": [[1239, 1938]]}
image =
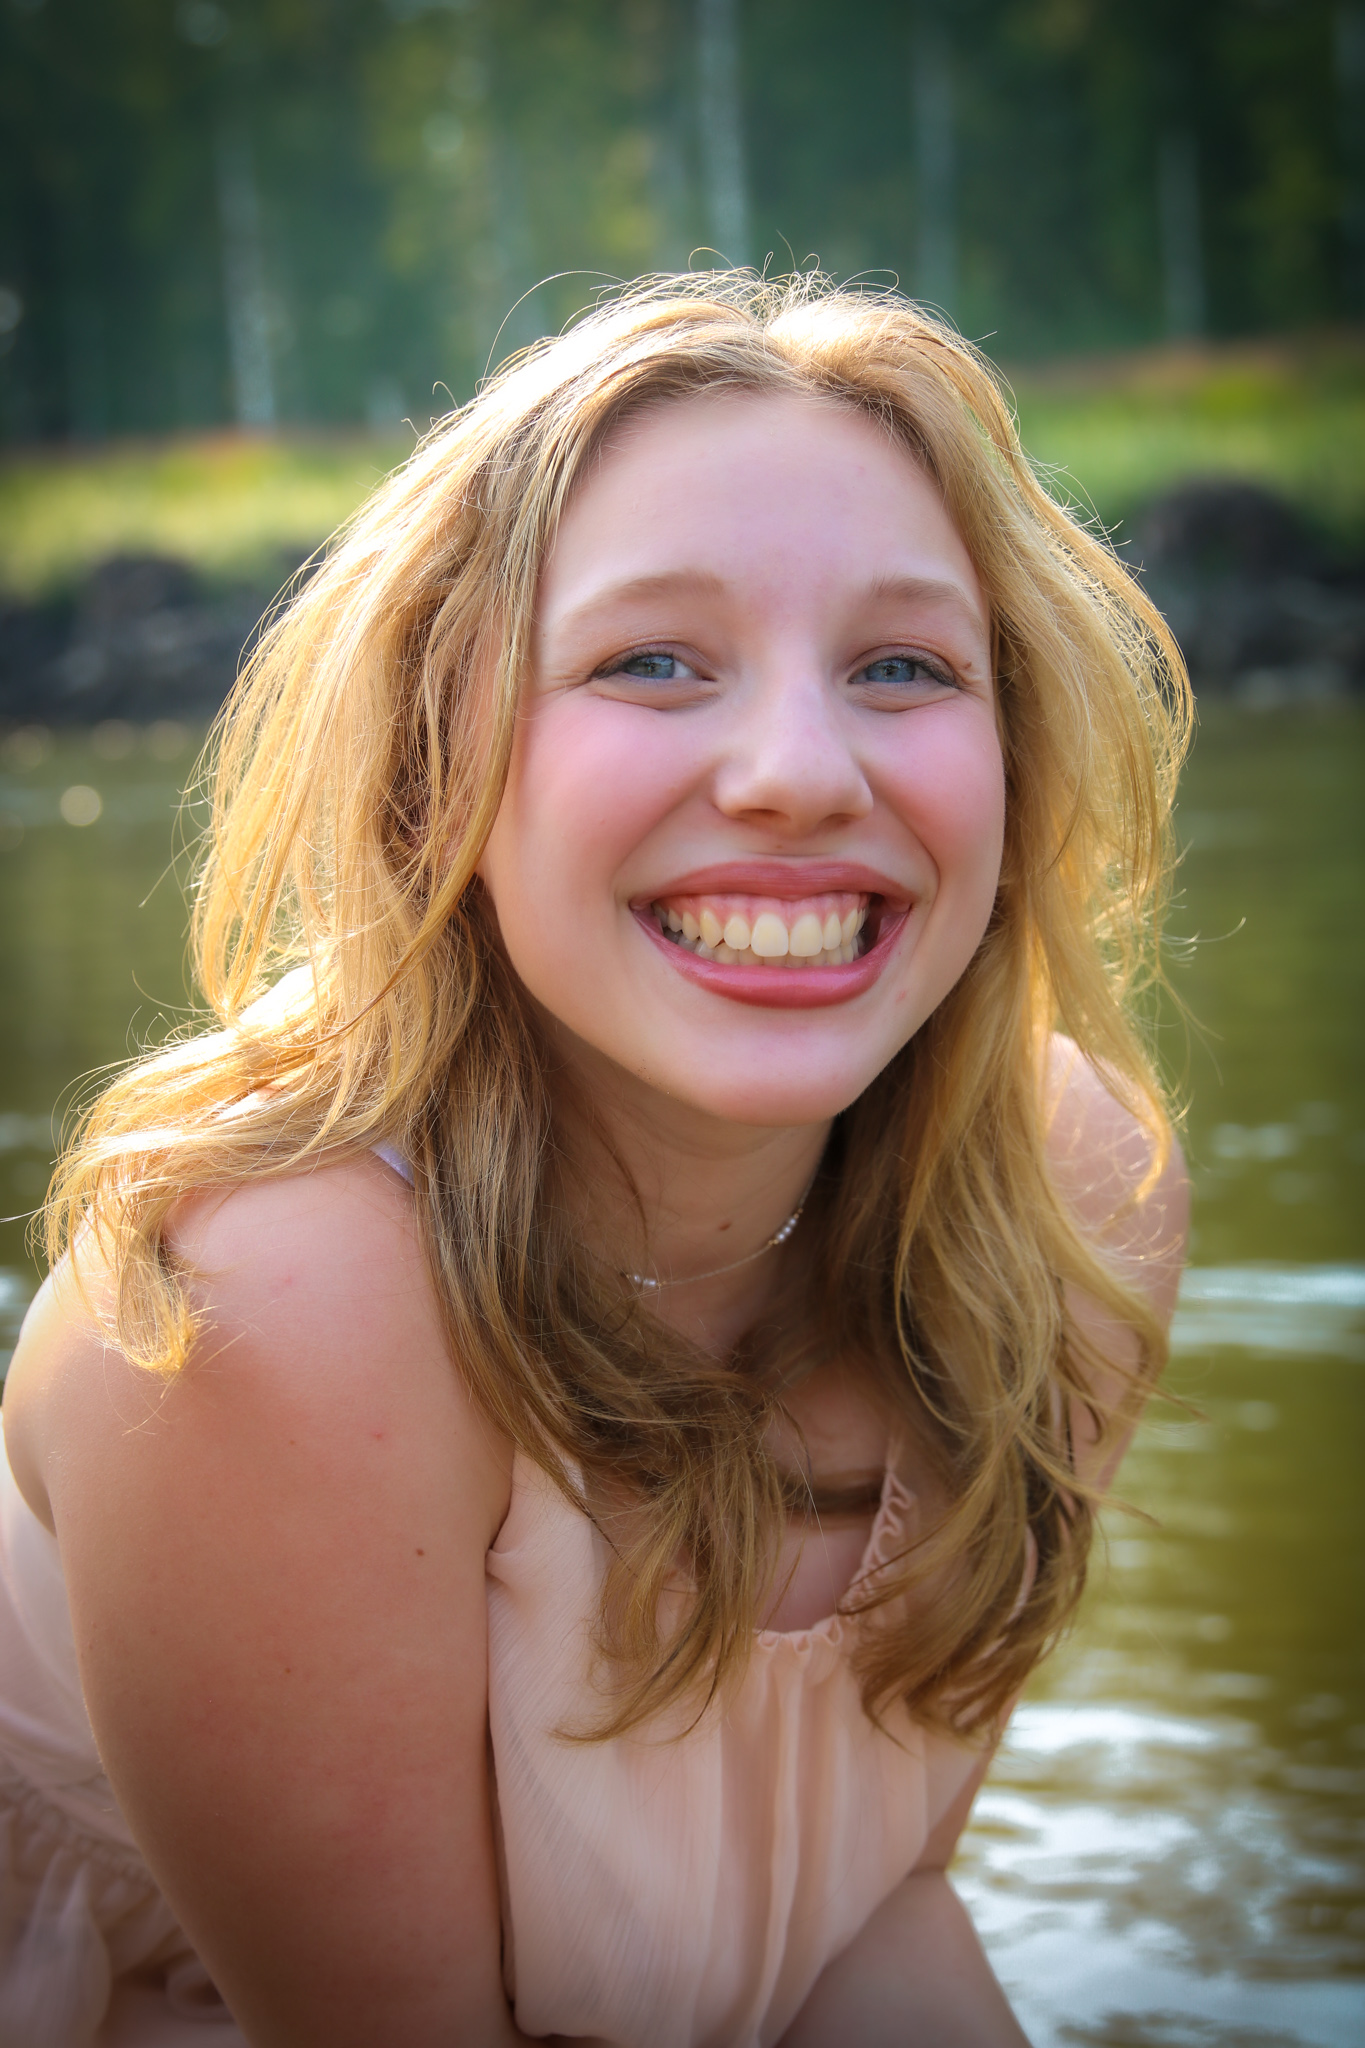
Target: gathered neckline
{"points": [[886, 1539]]}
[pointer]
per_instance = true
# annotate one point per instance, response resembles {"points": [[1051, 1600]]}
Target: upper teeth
{"points": [[817, 931]]}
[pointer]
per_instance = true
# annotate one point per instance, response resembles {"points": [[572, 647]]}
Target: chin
{"points": [[768, 1098]]}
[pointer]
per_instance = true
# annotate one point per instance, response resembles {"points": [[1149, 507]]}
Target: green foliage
{"points": [[1111, 431], [407, 169], [235, 508], [1115, 432]]}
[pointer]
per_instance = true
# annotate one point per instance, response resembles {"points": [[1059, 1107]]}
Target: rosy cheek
{"points": [[949, 786], [594, 777]]}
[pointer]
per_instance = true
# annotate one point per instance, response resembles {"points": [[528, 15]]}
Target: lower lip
{"points": [[781, 987]]}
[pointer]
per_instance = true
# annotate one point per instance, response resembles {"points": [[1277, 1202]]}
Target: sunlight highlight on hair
{"points": [[357, 772]]}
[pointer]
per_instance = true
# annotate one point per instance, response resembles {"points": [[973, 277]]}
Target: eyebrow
{"points": [[703, 583], [667, 583], [933, 589]]}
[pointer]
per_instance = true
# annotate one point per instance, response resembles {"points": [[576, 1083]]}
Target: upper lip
{"points": [[788, 880]]}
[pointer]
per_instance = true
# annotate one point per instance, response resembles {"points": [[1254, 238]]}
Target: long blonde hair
{"points": [[357, 771]]}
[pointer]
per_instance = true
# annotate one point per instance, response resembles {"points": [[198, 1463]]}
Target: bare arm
{"points": [[916, 1977], [276, 1575]]}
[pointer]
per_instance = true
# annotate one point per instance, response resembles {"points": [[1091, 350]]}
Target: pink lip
{"points": [[788, 880], [780, 988]]}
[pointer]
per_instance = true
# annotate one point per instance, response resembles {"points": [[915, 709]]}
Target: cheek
{"points": [[948, 784], [588, 781]]}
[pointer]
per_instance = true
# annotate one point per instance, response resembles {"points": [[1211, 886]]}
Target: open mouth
{"points": [[828, 930]]}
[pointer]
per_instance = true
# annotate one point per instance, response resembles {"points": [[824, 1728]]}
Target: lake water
{"points": [[1171, 1846]]}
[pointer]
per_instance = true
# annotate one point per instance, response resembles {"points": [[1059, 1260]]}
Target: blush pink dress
{"points": [[674, 1888], [658, 1891]]}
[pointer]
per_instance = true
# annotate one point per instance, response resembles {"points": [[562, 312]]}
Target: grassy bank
{"points": [[237, 508], [1114, 431], [1118, 430]]}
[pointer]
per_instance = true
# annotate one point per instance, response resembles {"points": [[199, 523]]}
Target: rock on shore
{"points": [[142, 640], [1262, 612]]}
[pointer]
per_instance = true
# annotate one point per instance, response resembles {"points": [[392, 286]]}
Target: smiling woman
{"points": [[786, 646], [639, 1187], [782, 662]]}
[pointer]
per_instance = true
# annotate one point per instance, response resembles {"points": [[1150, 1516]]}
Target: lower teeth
{"points": [[727, 957]]}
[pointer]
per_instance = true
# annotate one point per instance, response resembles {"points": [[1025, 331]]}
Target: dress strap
{"points": [[393, 1158]]}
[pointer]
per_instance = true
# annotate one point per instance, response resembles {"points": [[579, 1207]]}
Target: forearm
{"points": [[916, 1977]]}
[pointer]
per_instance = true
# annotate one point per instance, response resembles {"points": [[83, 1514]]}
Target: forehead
{"points": [[734, 484]]}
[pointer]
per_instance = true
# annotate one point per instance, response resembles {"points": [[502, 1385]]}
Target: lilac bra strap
{"points": [[392, 1157]]}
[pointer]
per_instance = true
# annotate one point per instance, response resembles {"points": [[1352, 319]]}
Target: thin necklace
{"points": [[778, 1237]]}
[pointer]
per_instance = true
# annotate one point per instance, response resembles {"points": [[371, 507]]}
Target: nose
{"points": [[789, 762]]}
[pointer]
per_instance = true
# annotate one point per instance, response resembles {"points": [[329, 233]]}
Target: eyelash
{"points": [[938, 672], [620, 662]]}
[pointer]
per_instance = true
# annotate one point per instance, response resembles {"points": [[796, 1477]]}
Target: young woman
{"points": [[555, 1437]]}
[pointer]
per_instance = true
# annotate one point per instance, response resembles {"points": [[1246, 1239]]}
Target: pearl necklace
{"points": [[778, 1237]]}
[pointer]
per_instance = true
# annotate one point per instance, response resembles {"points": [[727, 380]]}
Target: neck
{"points": [[667, 1191]]}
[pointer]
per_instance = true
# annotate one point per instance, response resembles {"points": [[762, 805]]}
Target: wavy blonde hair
{"points": [[357, 772]]}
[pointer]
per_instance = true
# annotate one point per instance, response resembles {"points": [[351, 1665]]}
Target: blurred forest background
{"points": [[248, 250], [321, 210]]}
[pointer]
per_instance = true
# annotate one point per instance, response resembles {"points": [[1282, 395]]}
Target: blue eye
{"points": [[902, 668], [647, 665], [651, 668]]}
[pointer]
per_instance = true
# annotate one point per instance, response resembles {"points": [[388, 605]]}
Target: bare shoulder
{"points": [[317, 1310], [1133, 1205], [275, 1565]]}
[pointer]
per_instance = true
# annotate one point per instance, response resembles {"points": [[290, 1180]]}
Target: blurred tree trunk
{"points": [[722, 129], [655, 86], [1182, 243], [244, 293], [936, 261], [87, 366], [1349, 55]]}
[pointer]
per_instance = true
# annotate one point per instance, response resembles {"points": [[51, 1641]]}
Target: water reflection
{"points": [[91, 932], [1171, 1847], [1295, 1310], [1271, 886]]}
